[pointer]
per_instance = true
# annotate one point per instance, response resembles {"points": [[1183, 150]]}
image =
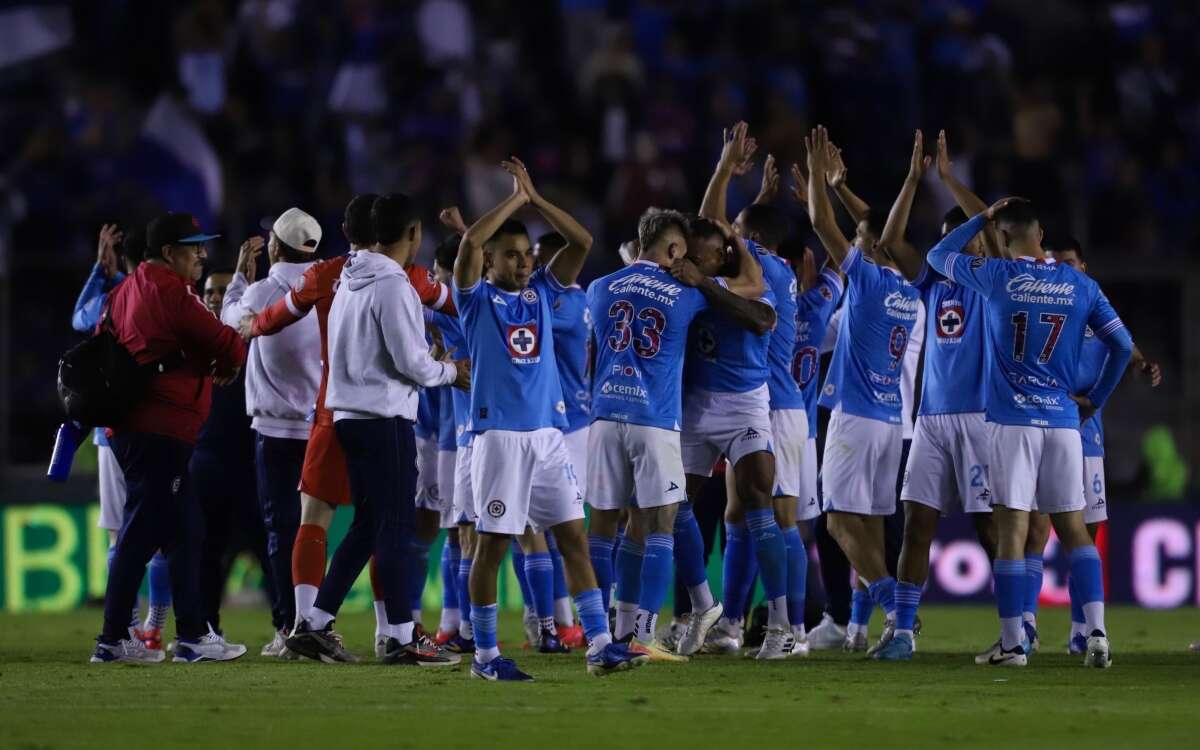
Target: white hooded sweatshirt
{"points": [[377, 351]]}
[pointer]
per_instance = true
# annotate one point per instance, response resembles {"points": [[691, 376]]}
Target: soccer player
{"points": [[323, 480], [1037, 311], [520, 472], [764, 228], [947, 466], [862, 389], [282, 377], [1091, 363], [377, 359]]}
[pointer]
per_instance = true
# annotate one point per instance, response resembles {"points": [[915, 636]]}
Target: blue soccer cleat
{"points": [[549, 643], [615, 657], [899, 648], [499, 670], [460, 645], [1031, 642], [1077, 645]]}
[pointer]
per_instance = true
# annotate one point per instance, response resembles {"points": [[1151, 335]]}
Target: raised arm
{"points": [[969, 202], [905, 255], [820, 210], [751, 314], [104, 276], [567, 262], [836, 174], [736, 152], [468, 266], [749, 281]]}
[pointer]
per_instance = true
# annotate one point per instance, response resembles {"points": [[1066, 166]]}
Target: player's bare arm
{"points": [[749, 281], [751, 314], [967, 200], [567, 262], [1150, 371], [906, 256], [468, 266], [837, 176], [820, 210], [737, 151]]}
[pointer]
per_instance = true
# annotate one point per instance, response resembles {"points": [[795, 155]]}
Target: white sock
{"points": [[318, 618], [645, 624], [1011, 633], [450, 620], [1093, 615], [599, 642], [701, 596], [854, 629], [890, 615], [1078, 628], [466, 629], [156, 617], [306, 598], [799, 632], [1030, 618], [484, 655], [381, 621], [563, 615], [907, 633], [626, 618], [777, 614], [402, 632]]}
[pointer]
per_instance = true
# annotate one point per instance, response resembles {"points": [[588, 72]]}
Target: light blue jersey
{"points": [[452, 338], [954, 380], [781, 349], [879, 313], [428, 410], [814, 308], [723, 356], [1037, 312], [572, 332], [1091, 363], [640, 318], [510, 338]]}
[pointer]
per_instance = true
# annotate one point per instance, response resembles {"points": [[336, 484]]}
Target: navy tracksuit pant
{"points": [[277, 465]]}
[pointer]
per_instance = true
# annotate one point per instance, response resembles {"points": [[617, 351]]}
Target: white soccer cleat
{"points": [[889, 632], [381, 642], [1097, 651], [130, 650], [723, 638], [854, 644], [209, 647], [777, 644], [827, 636], [1002, 658], [697, 629], [277, 645], [985, 656], [800, 645], [533, 628], [670, 636]]}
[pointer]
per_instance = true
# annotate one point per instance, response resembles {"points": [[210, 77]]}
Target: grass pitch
{"points": [[50, 697]]}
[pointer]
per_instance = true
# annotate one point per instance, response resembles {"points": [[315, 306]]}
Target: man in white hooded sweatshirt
{"points": [[377, 361], [282, 376]]}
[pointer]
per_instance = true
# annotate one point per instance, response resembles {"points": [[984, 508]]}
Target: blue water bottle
{"points": [[66, 442]]}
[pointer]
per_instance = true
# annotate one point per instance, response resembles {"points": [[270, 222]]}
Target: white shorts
{"points": [[112, 489], [1093, 490], [427, 474], [446, 461], [523, 479], [633, 459], [862, 459], [1035, 468], [464, 495], [947, 464], [577, 455], [723, 424], [808, 504], [789, 435]]}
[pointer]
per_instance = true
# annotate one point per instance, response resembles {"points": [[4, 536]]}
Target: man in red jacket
{"points": [[157, 316]]}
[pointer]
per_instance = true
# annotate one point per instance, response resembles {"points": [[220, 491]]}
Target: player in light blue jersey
{"points": [[1037, 312], [520, 473], [765, 227], [862, 387], [1091, 362]]}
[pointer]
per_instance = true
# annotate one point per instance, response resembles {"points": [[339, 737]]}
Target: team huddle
{"points": [[492, 398]]}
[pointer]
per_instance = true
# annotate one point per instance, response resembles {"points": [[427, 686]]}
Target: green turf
{"points": [[51, 698]]}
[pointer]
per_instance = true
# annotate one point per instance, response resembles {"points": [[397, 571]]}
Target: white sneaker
{"points": [[1097, 651], [985, 656], [777, 644], [670, 636], [723, 638], [277, 645], [130, 650], [854, 643], [827, 636], [697, 630], [800, 645], [209, 647]]}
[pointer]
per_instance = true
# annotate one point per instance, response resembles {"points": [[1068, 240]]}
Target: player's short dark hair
{"points": [[702, 228], [510, 226], [954, 218], [289, 254], [447, 251], [876, 219], [655, 222], [768, 222], [133, 246], [357, 218], [551, 239], [1018, 215], [392, 215], [1067, 243]]}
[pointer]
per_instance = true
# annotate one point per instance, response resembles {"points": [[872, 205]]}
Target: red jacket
{"points": [[155, 313]]}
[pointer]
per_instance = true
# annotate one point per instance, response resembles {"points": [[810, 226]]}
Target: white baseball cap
{"points": [[298, 229]]}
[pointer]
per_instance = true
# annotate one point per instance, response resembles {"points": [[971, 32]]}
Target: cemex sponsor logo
{"points": [[627, 392], [1025, 287], [1034, 399]]}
